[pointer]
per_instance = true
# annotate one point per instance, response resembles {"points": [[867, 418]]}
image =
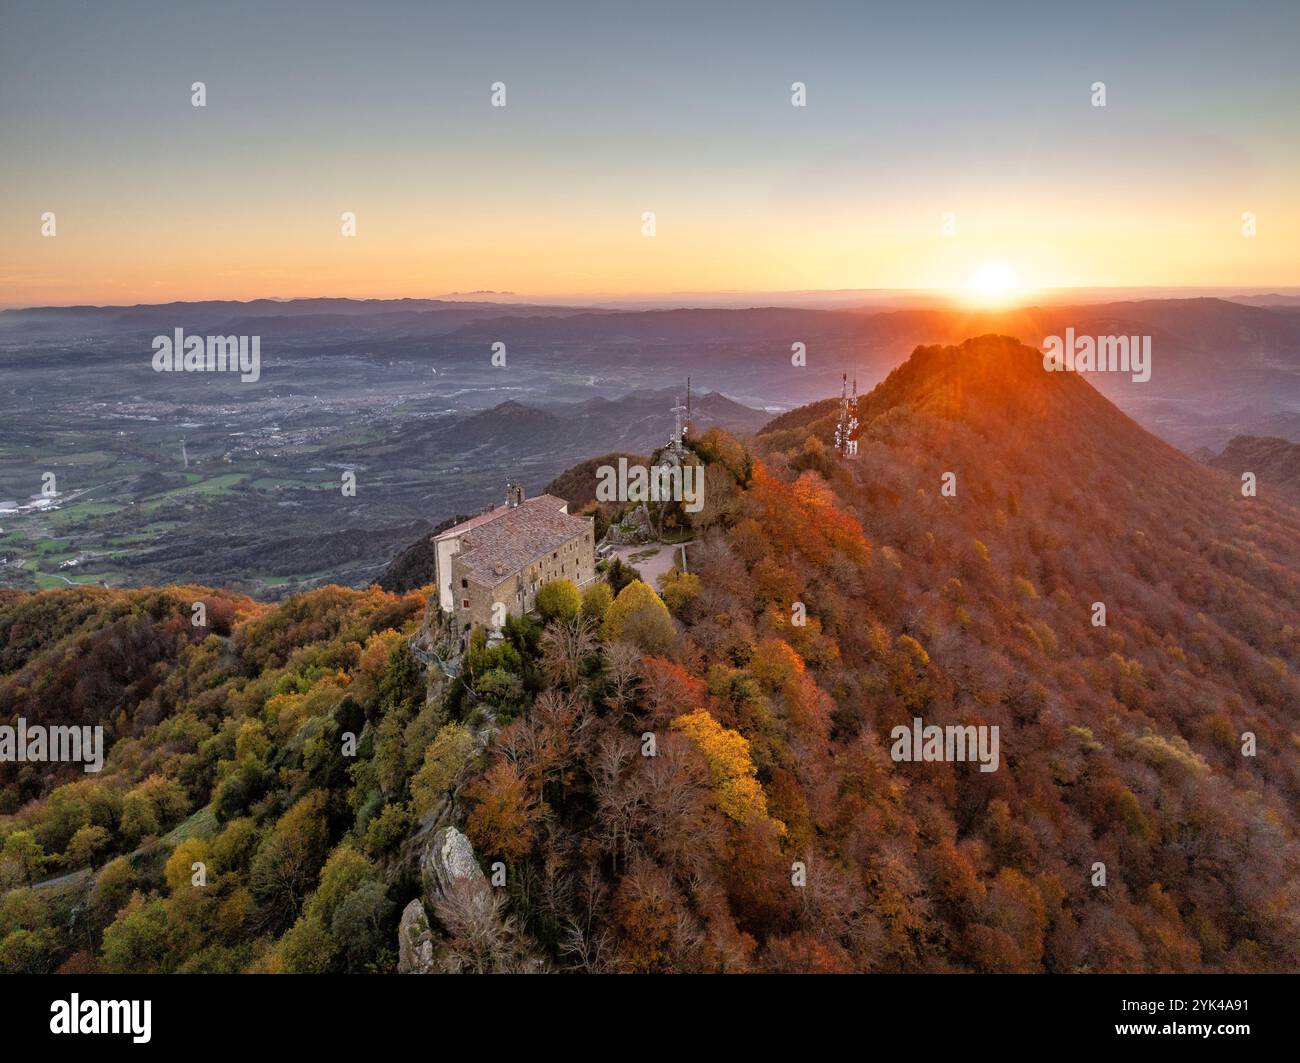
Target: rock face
{"points": [[635, 527], [447, 860], [472, 931], [415, 944]]}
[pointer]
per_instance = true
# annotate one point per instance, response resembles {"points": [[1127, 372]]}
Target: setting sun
{"points": [[993, 280]]}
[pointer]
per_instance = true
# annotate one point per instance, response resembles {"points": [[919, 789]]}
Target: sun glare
{"points": [[993, 281]]}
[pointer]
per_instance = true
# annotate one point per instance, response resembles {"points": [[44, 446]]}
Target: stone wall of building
{"points": [[573, 560]]}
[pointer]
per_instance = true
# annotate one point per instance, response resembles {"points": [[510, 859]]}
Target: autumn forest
{"points": [[696, 776]]}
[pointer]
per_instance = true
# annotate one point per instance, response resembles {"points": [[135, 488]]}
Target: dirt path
{"points": [[659, 562], [58, 880]]}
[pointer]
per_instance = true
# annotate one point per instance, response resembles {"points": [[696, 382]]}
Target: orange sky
{"points": [[297, 250]]}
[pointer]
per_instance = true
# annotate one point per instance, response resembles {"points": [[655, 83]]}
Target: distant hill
{"points": [[1285, 425], [1121, 731], [322, 319], [1267, 299], [1211, 358], [415, 566], [815, 413], [1275, 462], [577, 485], [634, 424], [637, 422]]}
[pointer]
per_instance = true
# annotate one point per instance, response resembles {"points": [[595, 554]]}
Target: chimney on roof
{"points": [[514, 493]]}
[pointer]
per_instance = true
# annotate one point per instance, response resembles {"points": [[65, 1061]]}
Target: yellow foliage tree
{"points": [[776, 665], [640, 616], [737, 792], [596, 600], [679, 589], [443, 761], [179, 869]]}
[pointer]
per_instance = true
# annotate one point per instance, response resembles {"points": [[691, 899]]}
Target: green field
{"points": [[266, 483], [203, 824], [79, 511], [45, 581]]}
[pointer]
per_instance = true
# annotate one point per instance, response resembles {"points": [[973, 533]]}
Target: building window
{"points": [[464, 603], [464, 583]]}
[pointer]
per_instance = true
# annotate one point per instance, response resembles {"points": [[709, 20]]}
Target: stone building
{"points": [[502, 557]]}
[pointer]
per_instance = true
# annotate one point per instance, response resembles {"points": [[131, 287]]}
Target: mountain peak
{"points": [[984, 371], [988, 382]]}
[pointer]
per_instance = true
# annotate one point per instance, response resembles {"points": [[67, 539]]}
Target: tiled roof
{"points": [[500, 543], [460, 529]]}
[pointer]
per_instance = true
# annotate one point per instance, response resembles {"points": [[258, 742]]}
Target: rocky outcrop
{"points": [[634, 528], [462, 924], [448, 859], [415, 942]]}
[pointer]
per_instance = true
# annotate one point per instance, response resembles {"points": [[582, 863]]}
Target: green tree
{"points": [[596, 600], [679, 589], [360, 925], [22, 910], [233, 848], [443, 761], [136, 942], [285, 866], [240, 789], [139, 818], [619, 575], [342, 922], [113, 888], [344, 871], [402, 687], [640, 616], [401, 697], [307, 948], [27, 952], [502, 689], [23, 848], [386, 831], [86, 846], [558, 599]]}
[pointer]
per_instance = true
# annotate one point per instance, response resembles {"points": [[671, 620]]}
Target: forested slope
{"points": [[828, 602]]}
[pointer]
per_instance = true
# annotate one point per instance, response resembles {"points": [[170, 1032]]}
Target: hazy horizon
{"points": [[885, 299]]}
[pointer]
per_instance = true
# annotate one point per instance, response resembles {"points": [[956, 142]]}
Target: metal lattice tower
{"points": [[846, 428], [676, 444], [851, 450], [842, 424]]}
